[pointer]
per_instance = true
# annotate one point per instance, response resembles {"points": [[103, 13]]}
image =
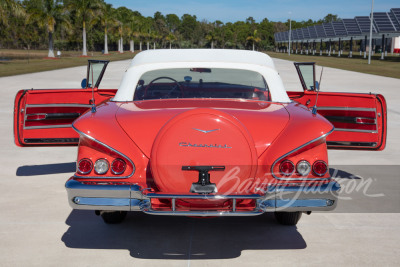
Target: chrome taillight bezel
{"points": [[78, 170], [287, 174], [112, 163], [101, 160], [320, 174], [303, 162]]}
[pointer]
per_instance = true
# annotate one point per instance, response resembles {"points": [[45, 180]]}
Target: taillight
{"points": [[286, 168], [101, 166], [85, 166], [320, 168], [118, 166], [303, 167]]}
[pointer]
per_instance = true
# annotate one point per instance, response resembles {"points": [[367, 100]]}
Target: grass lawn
{"points": [[390, 67], [23, 61], [14, 62]]}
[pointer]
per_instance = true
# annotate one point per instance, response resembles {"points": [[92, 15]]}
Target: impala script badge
{"points": [[188, 144]]}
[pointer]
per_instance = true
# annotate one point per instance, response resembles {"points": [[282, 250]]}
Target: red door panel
{"points": [[359, 119], [44, 117]]}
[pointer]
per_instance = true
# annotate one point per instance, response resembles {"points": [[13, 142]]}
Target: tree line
{"points": [[95, 25]]}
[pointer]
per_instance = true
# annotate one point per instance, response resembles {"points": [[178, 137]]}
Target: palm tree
{"points": [[107, 19], [211, 37], [123, 16], [132, 33], [46, 13], [10, 8], [121, 39], [170, 38], [85, 10], [253, 38]]}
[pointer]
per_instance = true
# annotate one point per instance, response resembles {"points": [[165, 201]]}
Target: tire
{"points": [[113, 217], [288, 218]]}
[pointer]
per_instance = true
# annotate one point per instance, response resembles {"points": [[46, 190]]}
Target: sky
{"points": [[274, 10]]}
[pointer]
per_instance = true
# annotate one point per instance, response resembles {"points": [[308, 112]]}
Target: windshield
{"points": [[201, 83]]}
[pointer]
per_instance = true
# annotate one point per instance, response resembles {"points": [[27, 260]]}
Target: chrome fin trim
{"points": [[294, 150], [112, 149]]}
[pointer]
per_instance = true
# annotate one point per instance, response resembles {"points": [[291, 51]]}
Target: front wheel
{"points": [[113, 217], [288, 218]]}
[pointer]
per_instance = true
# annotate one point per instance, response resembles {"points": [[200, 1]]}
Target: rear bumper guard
{"points": [[127, 197]]}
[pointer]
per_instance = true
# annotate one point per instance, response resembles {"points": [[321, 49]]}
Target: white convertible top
{"points": [[201, 58], [202, 55]]}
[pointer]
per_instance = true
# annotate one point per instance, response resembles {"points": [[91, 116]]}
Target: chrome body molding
{"points": [[49, 105], [355, 130], [294, 150], [351, 144], [347, 108], [112, 149], [131, 197], [47, 126], [57, 105]]}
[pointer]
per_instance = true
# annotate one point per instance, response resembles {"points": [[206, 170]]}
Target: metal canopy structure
{"points": [[384, 23]]}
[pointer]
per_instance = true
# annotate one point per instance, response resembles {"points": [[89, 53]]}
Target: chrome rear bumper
{"points": [[127, 197]]}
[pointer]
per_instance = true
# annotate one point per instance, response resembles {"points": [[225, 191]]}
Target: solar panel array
{"points": [[328, 29], [396, 14], [306, 33], [364, 22], [294, 33], [352, 26], [313, 32], [300, 34], [383, 23], [320, 31], [395, 22], [339, 29]]}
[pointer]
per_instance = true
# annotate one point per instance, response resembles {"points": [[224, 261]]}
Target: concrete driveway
{"points": [[38, 228]]}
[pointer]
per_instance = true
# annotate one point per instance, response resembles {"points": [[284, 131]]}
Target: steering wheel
{"points": [[167, 94]]}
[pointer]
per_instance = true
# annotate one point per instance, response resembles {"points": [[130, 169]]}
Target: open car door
{"points": [[359, 119], [44, 117]]}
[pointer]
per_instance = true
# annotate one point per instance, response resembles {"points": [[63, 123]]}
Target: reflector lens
{"points": [[101, 166], [85, 166], [303, 167], [365, 121], [286, 168], [35, 117], [118, 166], [320, 168]]}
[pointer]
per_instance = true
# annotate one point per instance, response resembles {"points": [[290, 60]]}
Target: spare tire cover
{"points": [[203, 137]]}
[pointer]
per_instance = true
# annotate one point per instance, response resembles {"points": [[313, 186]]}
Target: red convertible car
{"points": [[201, 133]]}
